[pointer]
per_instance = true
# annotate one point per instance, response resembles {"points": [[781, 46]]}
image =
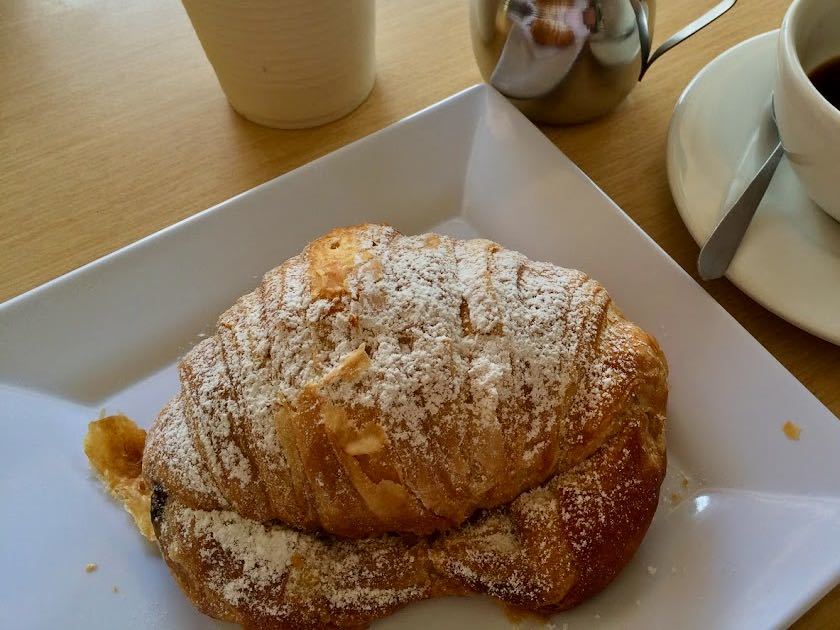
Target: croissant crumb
{"points": [[791, 431], [114, 447]]}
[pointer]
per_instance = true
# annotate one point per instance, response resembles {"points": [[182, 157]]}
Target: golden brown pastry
{"points": [[389, 418], [114, 447]]}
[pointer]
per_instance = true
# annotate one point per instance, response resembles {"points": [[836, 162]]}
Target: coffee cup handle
{"points": [[641, 11]]}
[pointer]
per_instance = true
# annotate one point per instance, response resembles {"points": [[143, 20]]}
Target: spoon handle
{"points": [[719, 250]]}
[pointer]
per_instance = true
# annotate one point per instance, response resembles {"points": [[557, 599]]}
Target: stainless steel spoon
{"points": [[721, 246]]}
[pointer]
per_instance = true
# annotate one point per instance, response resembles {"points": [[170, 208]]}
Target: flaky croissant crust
{"points": [[379, 384]]}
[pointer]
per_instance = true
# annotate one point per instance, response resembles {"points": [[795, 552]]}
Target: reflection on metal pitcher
{"points": [[568, 61]]}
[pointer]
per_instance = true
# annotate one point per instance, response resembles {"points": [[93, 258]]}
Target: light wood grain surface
{"points": [[113, 126]]}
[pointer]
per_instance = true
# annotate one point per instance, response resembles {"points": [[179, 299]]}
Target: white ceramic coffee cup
{"points": [[289, 63], [808, 124]]}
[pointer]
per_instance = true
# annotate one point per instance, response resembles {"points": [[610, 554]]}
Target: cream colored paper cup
{"points": [[289, 63]]}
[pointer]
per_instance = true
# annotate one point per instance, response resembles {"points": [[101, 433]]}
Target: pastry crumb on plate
{"points": [[114, 446], [791, 430]]}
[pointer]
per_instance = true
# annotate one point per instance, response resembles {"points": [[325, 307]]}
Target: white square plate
{"points": [[751, 542]]}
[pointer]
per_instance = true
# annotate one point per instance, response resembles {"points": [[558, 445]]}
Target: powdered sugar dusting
{"points": [[261, 556], [473, 353], [246, 344], [171, 445], [282, 572], [210, 406]]}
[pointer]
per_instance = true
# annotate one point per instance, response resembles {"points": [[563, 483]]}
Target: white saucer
{"points": [[719, 136]]}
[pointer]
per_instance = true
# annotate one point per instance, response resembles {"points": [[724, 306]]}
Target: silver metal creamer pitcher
{"points": [[569, 61]]}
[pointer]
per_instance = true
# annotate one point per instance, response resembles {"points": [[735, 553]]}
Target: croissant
{"points": [[389, 418]]}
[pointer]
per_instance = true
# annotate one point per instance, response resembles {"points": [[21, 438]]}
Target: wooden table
{"points": [[112, 126]]}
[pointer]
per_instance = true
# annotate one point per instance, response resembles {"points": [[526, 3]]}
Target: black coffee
{"points": [[826, 78]]}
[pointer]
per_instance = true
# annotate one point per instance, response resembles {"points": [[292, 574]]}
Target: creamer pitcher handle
{"points": [[640, 8]]}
